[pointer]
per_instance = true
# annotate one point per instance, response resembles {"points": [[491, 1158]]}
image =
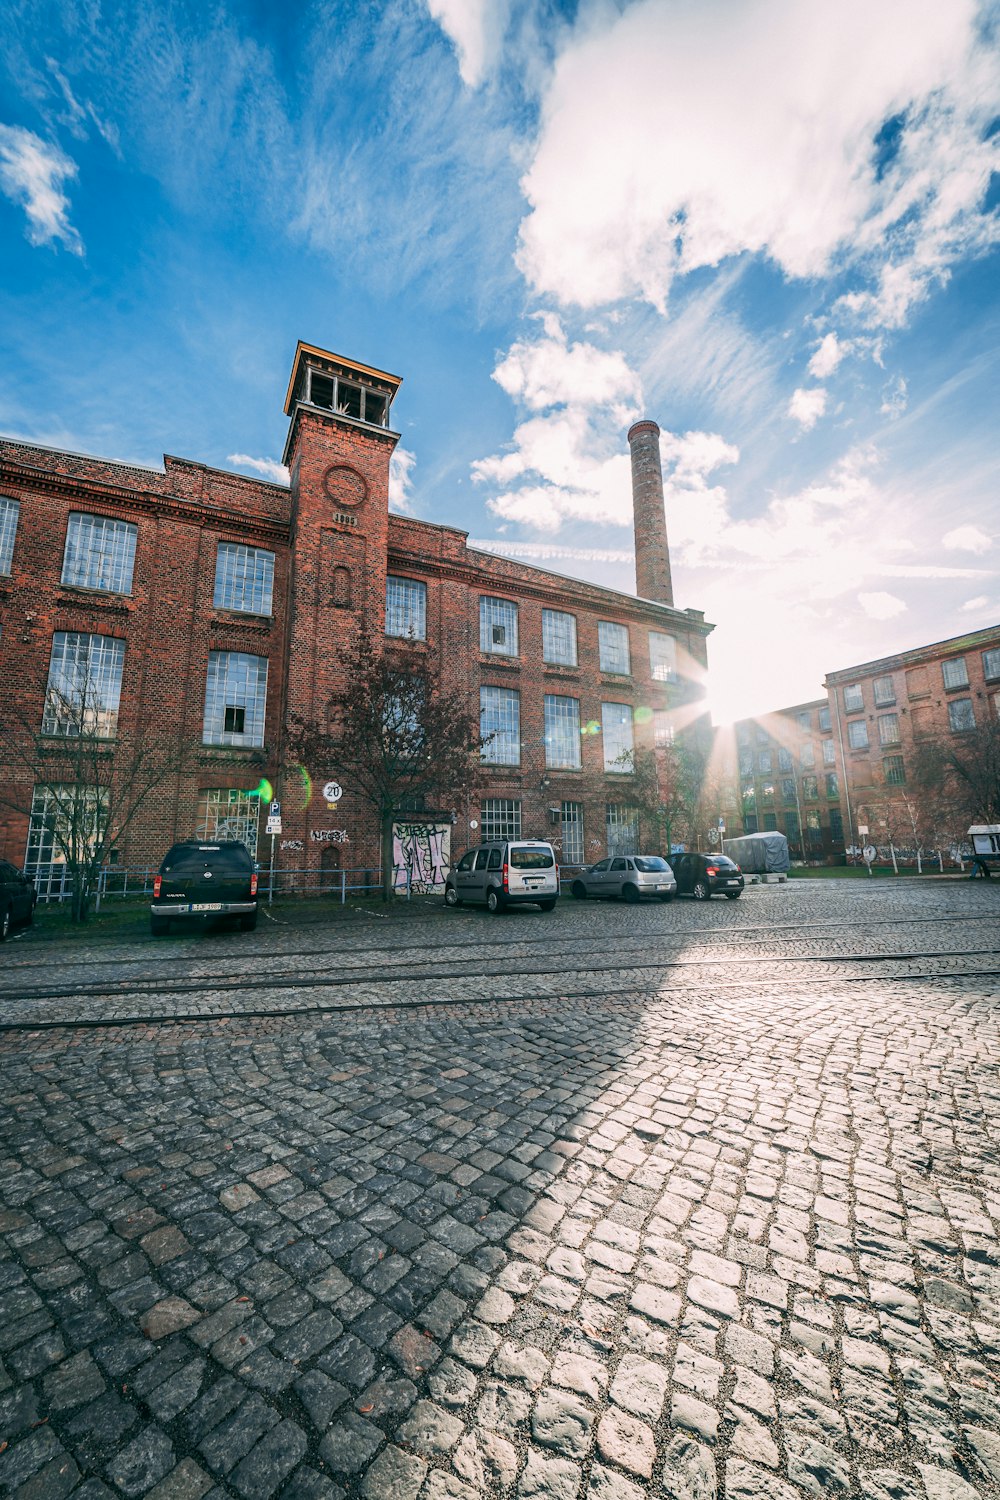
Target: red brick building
{"points": [[787, 774], [884, 711], [213, 607]]}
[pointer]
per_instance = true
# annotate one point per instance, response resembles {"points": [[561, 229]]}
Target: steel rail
{"points": [[376, 1012]]}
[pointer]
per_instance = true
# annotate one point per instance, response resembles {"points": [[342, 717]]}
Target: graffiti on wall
{"points": [[423, 849], [329, 836]]}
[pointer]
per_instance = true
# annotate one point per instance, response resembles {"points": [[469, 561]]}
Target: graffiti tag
{"points": [[292, 844], [329, 836]]}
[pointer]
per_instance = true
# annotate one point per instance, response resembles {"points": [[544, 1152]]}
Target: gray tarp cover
{"points": [[759, 853]]}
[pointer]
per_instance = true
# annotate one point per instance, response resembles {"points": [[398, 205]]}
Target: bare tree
{"points": [[972, 762], [668, 789], [395, 736], [81, 779]]}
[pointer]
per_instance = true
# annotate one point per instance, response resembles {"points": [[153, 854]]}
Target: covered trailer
{"points": [[759, 853], [985, 849]]}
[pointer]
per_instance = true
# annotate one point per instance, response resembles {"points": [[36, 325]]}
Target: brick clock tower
{"points": [[338, 450]]}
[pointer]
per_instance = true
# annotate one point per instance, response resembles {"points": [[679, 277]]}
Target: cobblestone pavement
{"points": [[683, 1201]]}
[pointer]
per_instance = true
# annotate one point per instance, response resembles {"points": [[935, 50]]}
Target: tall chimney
{"points": [[652, 555]]}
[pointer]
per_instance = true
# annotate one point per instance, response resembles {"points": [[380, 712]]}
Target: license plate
{"points": [[732, 882], [663, 887], [206, 906]]}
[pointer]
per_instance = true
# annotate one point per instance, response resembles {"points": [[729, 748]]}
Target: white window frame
{"points": [[956, 703], [499, 818], [228, 813], [562, 732], [99, 553], [500, 718], [857, 734], [573, 850], [559, 645], [955, 673], [662, 656], [854, 698], [618, 738], [888, 729], [232, 682], [244, 579], [405, 607], [10, 511], [498, 614], [613, 648], [621, 827], [84, 686], [884, 696]]}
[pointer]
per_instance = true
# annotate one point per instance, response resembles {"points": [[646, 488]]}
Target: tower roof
{"points": [[337, 364]]}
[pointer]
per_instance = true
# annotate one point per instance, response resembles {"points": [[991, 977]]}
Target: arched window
{"points": [[342, 588]]}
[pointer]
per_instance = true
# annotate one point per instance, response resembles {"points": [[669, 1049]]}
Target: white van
{"points": [[507, 872]]}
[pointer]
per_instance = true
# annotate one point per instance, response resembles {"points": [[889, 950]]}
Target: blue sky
{"points": [[772, 227]]}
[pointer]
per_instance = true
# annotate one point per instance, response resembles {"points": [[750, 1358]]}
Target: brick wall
{"points": [[334, 542]]}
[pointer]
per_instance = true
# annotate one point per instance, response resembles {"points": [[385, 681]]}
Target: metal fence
{"points": [[120, 882]]}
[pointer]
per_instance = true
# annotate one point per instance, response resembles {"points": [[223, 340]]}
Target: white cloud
{"points": [[827, 357], [976, 605], [894, 398], [32, 172], [401, 479], [475, 29], [742, 152], [881, 606], [967, 539], [268, 468], [807, 406], [549, 371]]}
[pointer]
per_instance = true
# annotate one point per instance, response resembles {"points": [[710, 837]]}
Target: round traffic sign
{"points": [[333, 791], [868, 853]]}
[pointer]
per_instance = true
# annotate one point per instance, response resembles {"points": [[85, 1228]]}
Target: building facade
{"points": [[215, 609], [788, 777], [885, 712]]}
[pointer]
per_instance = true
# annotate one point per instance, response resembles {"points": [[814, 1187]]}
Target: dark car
{"points": [[17, 898], [702, 875], [199, 880]]}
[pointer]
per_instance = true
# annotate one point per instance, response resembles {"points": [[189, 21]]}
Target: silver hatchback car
{"points": [[630, 876]]}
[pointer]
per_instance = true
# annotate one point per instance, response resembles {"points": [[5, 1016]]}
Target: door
{"points": [[616, 876], [597, 876], [463, 875], [477, 875]]}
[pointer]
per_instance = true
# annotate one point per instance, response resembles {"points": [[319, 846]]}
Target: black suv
{"points": [[17, 898], [701, 875], [202, 880]]}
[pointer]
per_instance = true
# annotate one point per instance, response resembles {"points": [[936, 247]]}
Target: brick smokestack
{"points": [[652, 555]]}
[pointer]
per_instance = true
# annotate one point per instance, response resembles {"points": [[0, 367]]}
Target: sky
{"points": [[773, 227]]}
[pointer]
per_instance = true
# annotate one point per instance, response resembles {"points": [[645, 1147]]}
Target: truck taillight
{"points": [[504, 878], [157, 884], [253, 883], [557, 874]]}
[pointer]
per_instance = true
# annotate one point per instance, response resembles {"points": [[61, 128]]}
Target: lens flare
{"points": [[307, 786], [643, 714], [264, 790]]}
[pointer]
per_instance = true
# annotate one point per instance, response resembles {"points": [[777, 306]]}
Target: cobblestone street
{"points": [[683, 1201]]}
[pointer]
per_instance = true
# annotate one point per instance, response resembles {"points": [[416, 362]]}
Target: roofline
{"points": [[97, 458], [973, 638], [341, 359], [699, 623]]}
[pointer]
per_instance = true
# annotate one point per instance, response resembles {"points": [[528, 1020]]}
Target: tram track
{"points": [[758, 935], [851, 966]]}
